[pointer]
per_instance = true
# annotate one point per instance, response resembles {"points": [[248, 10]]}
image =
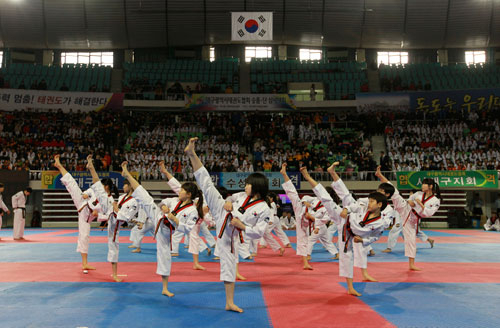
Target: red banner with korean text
{"points": [[17, 99]]}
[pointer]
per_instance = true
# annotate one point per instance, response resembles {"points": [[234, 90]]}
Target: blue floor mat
{"points": [[468, 253], [37, 252], [433, 304], [196, 304]]}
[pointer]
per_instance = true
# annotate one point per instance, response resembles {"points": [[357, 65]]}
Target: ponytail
{"points": [[192, 188], [435, 187], [199, 206]]}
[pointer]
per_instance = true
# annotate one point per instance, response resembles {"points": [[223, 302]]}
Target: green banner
{"points": [[449, 179]]}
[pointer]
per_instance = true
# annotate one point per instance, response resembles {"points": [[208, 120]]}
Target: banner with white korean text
{"points": [[236, 180], [52, 179], [240, 102], [18, 99], [251, 26], [449, 179]]}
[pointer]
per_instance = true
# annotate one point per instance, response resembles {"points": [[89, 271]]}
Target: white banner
{"points": [[251, 26], [19, 99]]}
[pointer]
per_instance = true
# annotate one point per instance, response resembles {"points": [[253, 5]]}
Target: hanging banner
{"points": [[449, 179], [17, 99], [455, 100], [240, 102], [251, 26], [382, 102], [236, 181], [52, 179]]}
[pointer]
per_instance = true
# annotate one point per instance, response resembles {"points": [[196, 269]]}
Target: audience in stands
{"points": [[444, 145], [241, 142]]}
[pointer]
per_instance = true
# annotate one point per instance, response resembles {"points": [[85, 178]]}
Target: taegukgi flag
{"points": [[252, 26]]}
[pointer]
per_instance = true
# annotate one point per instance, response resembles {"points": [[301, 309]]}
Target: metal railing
{"points": [[36, 175]]}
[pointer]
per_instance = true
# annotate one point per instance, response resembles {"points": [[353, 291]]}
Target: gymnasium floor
{"points": [[42, 285]]}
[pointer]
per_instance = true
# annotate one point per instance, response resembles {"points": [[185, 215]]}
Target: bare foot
{"points": [[209, 251], [240, 277], [372, 253], [115, 278], [233, 307], [190, 147], [262, 246], [308, 267], [414, 268], [387, 250], [282, 251], [186, 246], [336, 257], [216, 258], [87, 267], [249, 258], [431, 241], [353, 292], [132, 246], [309, 257], [167, 293], [198, 267], [288, 246], [254, 254], [174, 254], [137, 250], [367, 277]]}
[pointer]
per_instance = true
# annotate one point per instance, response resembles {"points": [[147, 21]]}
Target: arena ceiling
{"points": [[115, 24]]}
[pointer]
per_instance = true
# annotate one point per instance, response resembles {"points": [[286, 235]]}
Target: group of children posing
{"points": [[241, 220]]}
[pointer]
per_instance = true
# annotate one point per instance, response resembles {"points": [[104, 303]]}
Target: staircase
{"points": [[244, 77], [58, 209], [378, 145], [373, 80], [116, 80]]}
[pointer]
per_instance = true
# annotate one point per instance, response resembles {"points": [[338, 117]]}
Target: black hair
{"points": [[28, 189], [387, 188], [192, 188], [379, 198], [222, 191], [126, 182], [259, 183], [113, 189], [1, 185], [334, 195], [435, 186], [273, 196]]}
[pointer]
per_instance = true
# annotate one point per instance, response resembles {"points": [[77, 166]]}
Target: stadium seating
{"points": [[340, 79], [220, 73], [77, 77], [450, 77]]}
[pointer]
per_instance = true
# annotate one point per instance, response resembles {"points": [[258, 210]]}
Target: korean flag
{"points": [[252, 26]]}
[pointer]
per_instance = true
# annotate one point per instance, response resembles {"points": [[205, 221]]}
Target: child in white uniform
{"points": [[143, 225], [251, 214], [88, 209], [117, 213], [320, 232], [303, 223], [358, 226], [172, 214], [422, 204], [389, 215]]}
